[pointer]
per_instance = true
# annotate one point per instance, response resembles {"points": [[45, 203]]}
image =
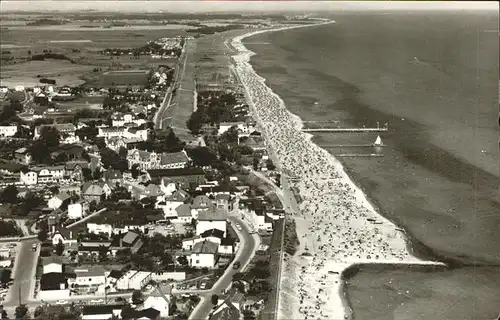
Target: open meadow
{"points": [[29, 73], [81, 46]]}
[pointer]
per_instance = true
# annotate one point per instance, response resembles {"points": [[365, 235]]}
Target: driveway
{"points": [[248, 246]]}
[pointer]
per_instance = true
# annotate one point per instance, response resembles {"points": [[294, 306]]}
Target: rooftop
{"points": [[176, 172], [212, 215], [206, 247]]}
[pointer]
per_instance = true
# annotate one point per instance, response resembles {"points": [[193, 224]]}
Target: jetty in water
{"points": [[345, 130]]}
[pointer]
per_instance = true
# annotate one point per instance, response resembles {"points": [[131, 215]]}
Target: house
{"points": [[58, 200], [224, 201], [226, 245], [22, 155], [121, 120], [74, 169], [174, 160], [184, 214], [93, 247], [259, 219], [88, 280], [133, 280], [254, 142], [63, 235], [147, 314], [113, 176], [204, 254], [70, 151], [225, 126], [234, 297], [152, 190], [225, 311], [132, 240], [63, 128], [93, 192], [211, 219], [151, 160], [185, 177], [53, 286], [8, 131], [170, 203], [159, 299], [101, 312], [77, 210], [45, 174]]}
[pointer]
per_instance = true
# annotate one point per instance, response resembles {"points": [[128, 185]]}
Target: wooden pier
{"points": [[326, 146], [346, 130], [360, 155]]}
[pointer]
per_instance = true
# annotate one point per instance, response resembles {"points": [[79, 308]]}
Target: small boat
{"points": [[378, 142]]}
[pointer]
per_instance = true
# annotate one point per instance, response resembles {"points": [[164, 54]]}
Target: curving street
{"points": [[249, 244]]}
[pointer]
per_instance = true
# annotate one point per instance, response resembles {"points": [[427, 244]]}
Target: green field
{"points": [[82, 46]]}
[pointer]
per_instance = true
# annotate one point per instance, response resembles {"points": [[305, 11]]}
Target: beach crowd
{"points": [[336, 224]]}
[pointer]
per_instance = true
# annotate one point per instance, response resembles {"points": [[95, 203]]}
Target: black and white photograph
{"points": [[249, 160]]}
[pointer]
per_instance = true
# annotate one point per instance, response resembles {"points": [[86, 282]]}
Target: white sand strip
{"points": [[337, 226]]}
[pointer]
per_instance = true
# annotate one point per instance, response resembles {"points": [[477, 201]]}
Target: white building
{"points": [[133, 280], [241, 126], [170, 203], [77, 210], [151, 160], [121, 120], [88, 280], [56, 201], [8, 131], [52, 264], [211, 219], [36, 175], [204, 255], [259, 220]]}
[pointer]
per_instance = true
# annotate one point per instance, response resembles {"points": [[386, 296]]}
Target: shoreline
{"points": [[243, 67]]}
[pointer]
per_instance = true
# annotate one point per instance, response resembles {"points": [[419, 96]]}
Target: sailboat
{"points": [[378, 142]]}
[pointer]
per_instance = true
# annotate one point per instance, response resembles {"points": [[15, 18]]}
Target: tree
{"points": [[21, 312], [59, 248], [195, 122], [9, 194], [87, 133], [127, 313], [41, 148], [183, 260], [135, 171], [202, 156], [42, 235], [215, 299], [270, 165], [137, 297], [255, 164]]}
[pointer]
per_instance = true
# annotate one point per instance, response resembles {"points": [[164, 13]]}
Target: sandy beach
{"points": [[336, 224]]}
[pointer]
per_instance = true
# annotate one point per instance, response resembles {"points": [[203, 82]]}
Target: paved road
{"points": [[23, 273], [248, 246], [178, 75]]}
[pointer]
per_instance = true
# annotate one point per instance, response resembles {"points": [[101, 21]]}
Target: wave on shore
{"points": [[337, 226]]}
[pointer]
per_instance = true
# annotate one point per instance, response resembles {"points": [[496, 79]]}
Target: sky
{"points": [[232, 6]]}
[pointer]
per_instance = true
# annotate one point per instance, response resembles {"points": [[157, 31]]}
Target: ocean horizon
{"points": [[434, 80]]}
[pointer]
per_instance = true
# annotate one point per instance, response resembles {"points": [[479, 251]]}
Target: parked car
{"points": [[34, 246], [236, 265], [119, 299], [203, 285], [238, 226], [61, 302]]}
